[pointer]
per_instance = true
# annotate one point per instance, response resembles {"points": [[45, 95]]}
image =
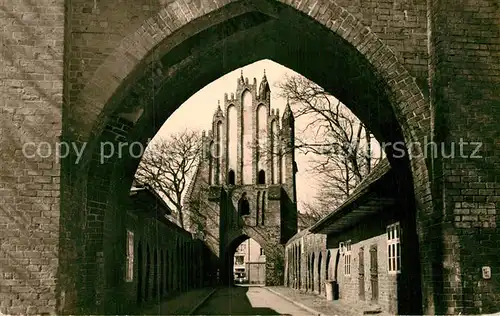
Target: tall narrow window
{"points": [[218, 153], [246, 136], [130, 257], [347, 258], [261, 150], [274, 153], [283, 164], [231, 177], [211, 169], [262, 177], [394, 248], [244, 205], [257, 213], [263, 208], [232, 138]]}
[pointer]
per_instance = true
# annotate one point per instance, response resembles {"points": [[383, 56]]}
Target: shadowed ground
{"points": [[253, 300]]}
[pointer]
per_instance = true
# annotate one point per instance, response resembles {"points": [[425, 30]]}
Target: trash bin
{"points": [[329, 290]]}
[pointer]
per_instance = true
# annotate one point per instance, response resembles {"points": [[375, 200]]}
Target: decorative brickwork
{"points": [[226, 180]]}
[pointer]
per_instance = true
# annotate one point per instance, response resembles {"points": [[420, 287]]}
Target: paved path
{"points": [[252, 300], [320, 306], [180, 304]]}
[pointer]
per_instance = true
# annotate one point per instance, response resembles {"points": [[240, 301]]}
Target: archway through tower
{"points": [[249, 262]]}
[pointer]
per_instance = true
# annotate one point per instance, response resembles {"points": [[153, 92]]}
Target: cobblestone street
{"points": [[251, 300]]}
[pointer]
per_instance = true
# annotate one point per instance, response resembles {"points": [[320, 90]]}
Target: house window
{"points": [[394, 248], [239, 260], [130, 257], [241, 247], [347, 258]]}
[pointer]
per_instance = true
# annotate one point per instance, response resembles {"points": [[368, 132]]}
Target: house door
{"points": [[361, 277], [374, 272]]}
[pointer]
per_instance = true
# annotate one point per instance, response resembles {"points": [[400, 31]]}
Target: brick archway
{"points": [[157, 65], [143, 49], [229, 248]]}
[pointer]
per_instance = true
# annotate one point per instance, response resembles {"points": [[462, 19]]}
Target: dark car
{"points": [[240, 277]]}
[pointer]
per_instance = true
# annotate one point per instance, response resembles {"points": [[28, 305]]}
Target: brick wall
{"points": [[177, 271], [31, 87], [387, 283], [402, 25], [367, 234], [464, 80]]}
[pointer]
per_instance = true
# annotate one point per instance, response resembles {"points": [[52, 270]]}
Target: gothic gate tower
{"points": [[249, 169]]}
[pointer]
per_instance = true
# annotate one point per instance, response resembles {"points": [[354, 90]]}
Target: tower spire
{"points": [[287, 114], [264, 90], [241, 80], [218, 111]]}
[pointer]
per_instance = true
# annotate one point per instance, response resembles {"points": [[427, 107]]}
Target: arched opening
{"points": [[178, 266], [140, 271], [231, 177], [243, 205], [247, 262], [257, 210], [300, 267], [148, 275], [171, 271], [327, 269], [161, 279], [262, 177], [320, 257], [263, 209], [313, 275], [218, 153], [185, 268], [246, 136], [155, 275], [261, 136], [167, 276], [289, 267], [290, 30], [211, 170], [296, 266], [308, 271], [275, 166], [336, 293]]}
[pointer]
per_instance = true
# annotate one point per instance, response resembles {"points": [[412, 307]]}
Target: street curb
{"points": [[307, 308], [202, 302]]}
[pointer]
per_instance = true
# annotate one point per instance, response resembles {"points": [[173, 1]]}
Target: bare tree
{"points": [[337, 140], [168, 165]]}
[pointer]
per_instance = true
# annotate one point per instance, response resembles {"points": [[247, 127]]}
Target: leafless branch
{"points": [[340, 145], [168, 164]]}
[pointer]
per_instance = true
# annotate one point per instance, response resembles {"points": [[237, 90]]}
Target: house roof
{"points": [[144, 192], [373, 194]]}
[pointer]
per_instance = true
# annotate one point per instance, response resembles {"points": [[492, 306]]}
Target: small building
{"points": [[362, 248], [250, 260]]}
